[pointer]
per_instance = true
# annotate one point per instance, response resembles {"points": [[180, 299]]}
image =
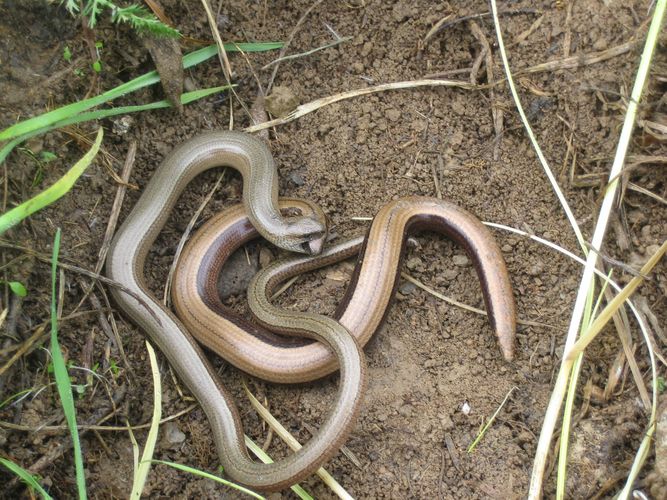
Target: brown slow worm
{"points": [[260, 352], [125, 264]]}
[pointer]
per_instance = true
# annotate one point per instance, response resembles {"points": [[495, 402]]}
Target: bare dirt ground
{"points": [[430, 361]]}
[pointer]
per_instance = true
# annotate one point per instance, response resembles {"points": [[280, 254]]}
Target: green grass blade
{"points": [[566, 426], [26, 477], [62, 377], [9, 147], [252, 46], [18, 288], [201, 55], [186, 98], [15, 396], [208, 475], [52, 193], [141, 473], [192, 59], [51, 117], [135, 449], [490, 422], [607, 206]]}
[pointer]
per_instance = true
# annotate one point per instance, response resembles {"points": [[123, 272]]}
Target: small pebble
{"points": [[432, 363], [446, 421], [636, 217], [450, 274], [122, 125], [393, 115], [414, 263], [171, 435], [525, 437], [297, 178], [406, 410], [36, 145], [407, 287], [461, 260], [281, 102], [536, 269], [425, 427], [189, 84], [412, 242]]}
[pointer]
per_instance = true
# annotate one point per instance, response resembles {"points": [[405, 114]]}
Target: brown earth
{"points": [[436, 374]]}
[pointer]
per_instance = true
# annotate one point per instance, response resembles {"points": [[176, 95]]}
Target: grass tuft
{"points": [[68, 111], [563, 378], [186, 98], [142, 20], [569, 370], [142, 467], [137, 16]]}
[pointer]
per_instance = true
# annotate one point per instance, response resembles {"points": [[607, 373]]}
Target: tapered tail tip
{"points": [[507, 340]]}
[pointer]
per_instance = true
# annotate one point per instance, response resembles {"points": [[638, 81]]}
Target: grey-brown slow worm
{"points": [[125, 264], [264, 354]]}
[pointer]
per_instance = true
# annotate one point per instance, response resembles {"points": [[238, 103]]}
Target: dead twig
{"points": [[110, 332], [622, 325], [290, 57], [184, 239], [521, 37], [475, 310], [224, 62], [638, 189], [284, 48], [441, 25], [98, 418], [13, 314], [25, 346], [96, 427], [12, 348], [85, 272], [579, 60], [222, 53], [113, 216], [496, 112], [567, 39], [304, 109], [56, 451]]}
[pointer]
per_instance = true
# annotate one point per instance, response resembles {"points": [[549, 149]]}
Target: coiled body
{"points": [[264, 354], [125, 264]]}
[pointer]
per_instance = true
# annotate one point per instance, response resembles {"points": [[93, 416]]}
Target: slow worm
{"points": [[305, 233], [258, 351]]}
